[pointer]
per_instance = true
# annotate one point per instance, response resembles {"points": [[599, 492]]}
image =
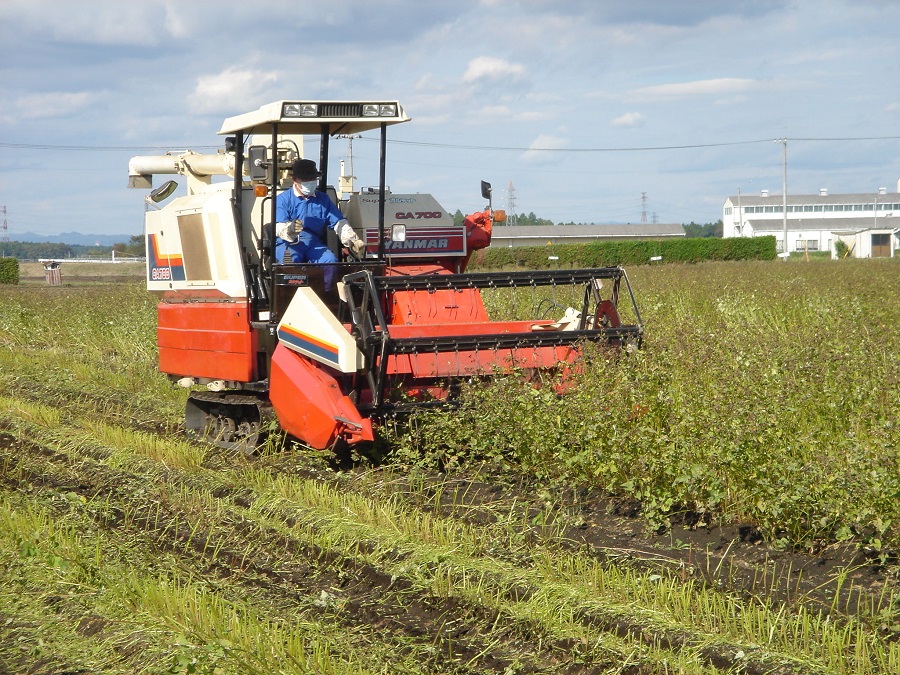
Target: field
{"points": [[82, 274], [726, 500]]}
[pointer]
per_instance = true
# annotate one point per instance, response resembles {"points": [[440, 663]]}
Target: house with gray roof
{"points": [[867, 223]]}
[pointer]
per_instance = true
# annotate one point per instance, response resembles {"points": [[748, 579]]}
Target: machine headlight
{"points": [[398, 232], [300, 110], [388, 110], [370, 110]]}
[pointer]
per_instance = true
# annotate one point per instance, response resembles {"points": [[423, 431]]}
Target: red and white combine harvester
{"points": [[333, 349]]}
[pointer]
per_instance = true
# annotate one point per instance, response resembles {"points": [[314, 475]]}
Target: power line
{"points": [[632, 148], [847, 138], [690, 146], [97, 148], [571, 150]]}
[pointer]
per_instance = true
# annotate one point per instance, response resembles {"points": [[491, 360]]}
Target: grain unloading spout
{"points": [[198, 168]]}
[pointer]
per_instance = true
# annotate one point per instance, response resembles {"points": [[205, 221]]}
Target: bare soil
{"points": [[836, 579]]}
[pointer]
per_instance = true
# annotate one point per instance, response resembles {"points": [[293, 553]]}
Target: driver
{"points": [[302, 214]]}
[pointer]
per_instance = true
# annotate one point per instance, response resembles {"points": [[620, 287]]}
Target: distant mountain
{"points": [[73, 238]]}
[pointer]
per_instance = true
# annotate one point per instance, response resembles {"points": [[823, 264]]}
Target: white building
{"points": [[869, 224]]}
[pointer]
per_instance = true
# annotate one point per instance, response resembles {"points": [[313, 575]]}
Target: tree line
{"points": [[691, 229], [137, 247], [28, 250]]}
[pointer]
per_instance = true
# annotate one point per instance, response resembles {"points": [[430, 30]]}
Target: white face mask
{"points": [[307, 187]]}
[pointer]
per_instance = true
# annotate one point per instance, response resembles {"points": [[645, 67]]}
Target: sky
{"points": [[594, 111]]}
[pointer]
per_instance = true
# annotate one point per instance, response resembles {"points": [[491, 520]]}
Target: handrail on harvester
{"points": [[496, 279]]}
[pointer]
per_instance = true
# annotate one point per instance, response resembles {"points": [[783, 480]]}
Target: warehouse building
{"points": [[541, 235], [867, 224]]}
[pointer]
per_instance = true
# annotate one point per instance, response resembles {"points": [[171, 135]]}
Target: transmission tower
{"points": [[643, 207], [511, 204], [4, 236]]}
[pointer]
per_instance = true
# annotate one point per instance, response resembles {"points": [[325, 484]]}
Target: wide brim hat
{"points": [[304, 169]]}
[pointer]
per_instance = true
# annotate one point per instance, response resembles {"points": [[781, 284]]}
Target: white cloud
{"points": [[426, 82], [53, 104], [232, 89], [547, 142], [813, 56], [491, 114], [136, 22], [714, 87], [437, 120], [175, 22], [632, 119], [501, 111], [435, 102], [533, 116], [157, 72], [105, 22], [490, 68], [541, 149]]}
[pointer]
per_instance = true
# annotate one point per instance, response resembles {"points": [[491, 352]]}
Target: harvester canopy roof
{"points": [[309, 117]]}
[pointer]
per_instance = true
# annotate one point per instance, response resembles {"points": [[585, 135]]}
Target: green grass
{"points": [[766, 394], [94, 343], [538, 589]]}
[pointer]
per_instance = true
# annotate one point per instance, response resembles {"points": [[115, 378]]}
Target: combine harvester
{"points": [[331, 350]]}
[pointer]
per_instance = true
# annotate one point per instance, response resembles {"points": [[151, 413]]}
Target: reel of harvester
{"points": [[410, 346]]}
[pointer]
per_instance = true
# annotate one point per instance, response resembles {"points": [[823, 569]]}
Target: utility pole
{"points": [[783, 142], [345, 180]]}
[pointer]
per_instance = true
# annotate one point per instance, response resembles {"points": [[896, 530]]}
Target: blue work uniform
{"points": [[317, 212]]}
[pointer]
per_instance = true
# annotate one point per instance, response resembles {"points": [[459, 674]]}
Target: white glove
{"points": [[289, 230], [349, 238], [358, 248]]}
